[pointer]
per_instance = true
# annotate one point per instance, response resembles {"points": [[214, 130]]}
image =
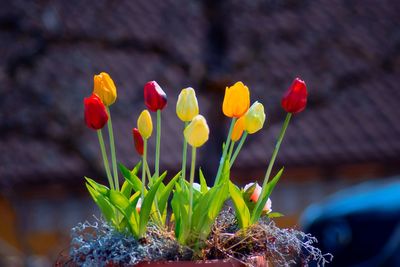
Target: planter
{"points": [[256, 262]]}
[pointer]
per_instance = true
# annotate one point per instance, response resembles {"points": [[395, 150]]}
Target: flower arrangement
{"points": [[147, 219]]}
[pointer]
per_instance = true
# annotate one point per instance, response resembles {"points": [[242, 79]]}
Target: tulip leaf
{"points": [[126, 189], [213, 203], [242, 211], [164, 195], [203, 182], [131, 176], [123, 205], [147, 204], [180, 207], [102, 189], [274, 215], [105, 207], [265, 193]]}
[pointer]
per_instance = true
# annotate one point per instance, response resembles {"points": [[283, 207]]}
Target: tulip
{"points": [[254, 118], [295, 98], [254, 190], [104, 88], [196, 133], [138, 140], [145, 124], [186, 106], [154, 97], [236, 100], [95, 112], [238, 129], [139, 205]]}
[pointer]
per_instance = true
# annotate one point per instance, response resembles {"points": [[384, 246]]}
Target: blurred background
{"points": [[346, 142]]}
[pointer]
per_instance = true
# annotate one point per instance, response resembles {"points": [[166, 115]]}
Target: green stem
{"points": [[184, 156], [148, 173], [105, 158], [272, 161], [231, 149], [237, 150], [158, 141], [192, 169], [222, 161], [112, 147], [144, 165]]}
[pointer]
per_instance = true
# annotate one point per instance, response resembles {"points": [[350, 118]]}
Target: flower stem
{"points": [[232, 145], [148, 173], [112, 147], [224, 152], [192, 169], [158, 141], [272, 161], [144, 166], [105, 159], [237, 150], [184, 155]]}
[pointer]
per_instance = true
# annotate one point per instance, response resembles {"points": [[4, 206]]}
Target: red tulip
{"points": [[295, 98], [154, 97], [138, 140], [95, 112]]}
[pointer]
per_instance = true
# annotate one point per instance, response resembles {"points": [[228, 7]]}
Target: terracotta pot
{"points": [[257, 262]]}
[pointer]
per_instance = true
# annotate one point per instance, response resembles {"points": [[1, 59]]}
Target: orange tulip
{"points": [[236, 100]]}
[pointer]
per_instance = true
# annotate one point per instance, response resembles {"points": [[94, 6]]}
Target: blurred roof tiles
{"points": [[348, 53]]}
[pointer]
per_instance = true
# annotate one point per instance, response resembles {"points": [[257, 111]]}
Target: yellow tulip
{"points": [[145, 124], [238, 129], [187, 107], [236, 100], [196, 133], [104, 88], [254, 118]]}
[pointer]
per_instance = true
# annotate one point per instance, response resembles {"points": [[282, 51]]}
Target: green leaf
{"points": [[242, 211], [275, 215], [125, 207], [265, 193], [203, 182], [165, 192], [105, 207], [147, 204], [125, 172], [180, 208], [215, 204], [126, 189], [102, 189], [207, 209], [131, 176]]}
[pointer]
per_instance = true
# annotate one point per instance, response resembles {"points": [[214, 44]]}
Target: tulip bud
{"points": [[196, 133], [154, 97], [95, 112], [138, 140], [145, 124], [238, 129], [295, 98], [254, 118], [186, 106], [236, 100], [253, 190], [139, 205], [104, 88]]}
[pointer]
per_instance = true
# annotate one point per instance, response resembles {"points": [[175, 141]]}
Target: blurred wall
{"points": [[346, 51]]}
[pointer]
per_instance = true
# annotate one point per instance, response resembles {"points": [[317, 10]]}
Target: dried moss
{"points": [[99, 244], [280, 246]]}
